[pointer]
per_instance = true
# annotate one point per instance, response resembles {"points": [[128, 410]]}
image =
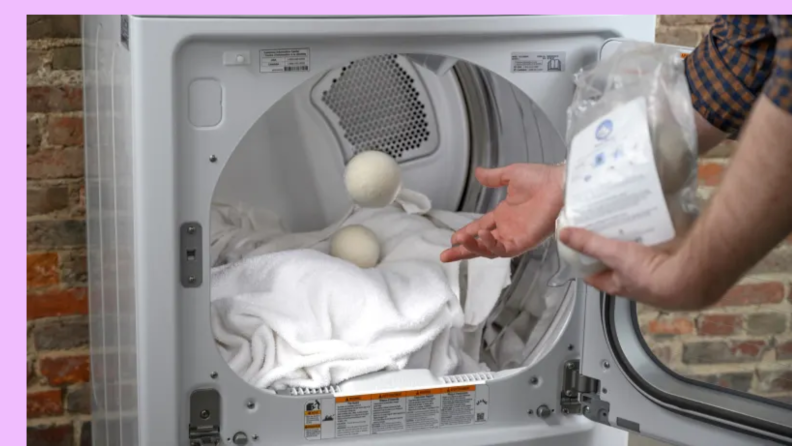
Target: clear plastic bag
{"points": [[631, 169]]}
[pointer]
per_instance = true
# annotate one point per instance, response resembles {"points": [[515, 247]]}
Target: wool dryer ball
{"points": [[356, 244], [681, 219], [674, 160], [581, 264], [373, 179]]}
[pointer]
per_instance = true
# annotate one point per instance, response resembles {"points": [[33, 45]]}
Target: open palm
{"points": [[520, 222]]}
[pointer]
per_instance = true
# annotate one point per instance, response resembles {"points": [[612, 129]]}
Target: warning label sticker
{"points": [[538, 62], [386, 413], [287, 60]]}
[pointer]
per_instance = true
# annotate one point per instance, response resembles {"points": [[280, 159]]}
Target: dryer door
{"points": [[689, 384]]}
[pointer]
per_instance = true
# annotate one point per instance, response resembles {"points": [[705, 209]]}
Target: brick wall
{"points": [[744, 343], [59, 405]]}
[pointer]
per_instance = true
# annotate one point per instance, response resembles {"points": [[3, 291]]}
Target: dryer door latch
{"points": [[205, 418], [191, 256], [580, 394]]}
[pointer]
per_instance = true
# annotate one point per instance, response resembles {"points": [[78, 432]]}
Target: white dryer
{"points": [[185, 111]]}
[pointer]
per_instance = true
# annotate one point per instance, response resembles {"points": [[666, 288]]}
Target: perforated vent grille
{"points": [[379, 103]]}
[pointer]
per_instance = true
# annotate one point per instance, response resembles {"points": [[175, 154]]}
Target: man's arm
{"points": [[752, 210], [749, 215]]}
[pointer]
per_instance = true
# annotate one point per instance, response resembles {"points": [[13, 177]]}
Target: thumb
{"points": [[610, 252], [497, 177]]}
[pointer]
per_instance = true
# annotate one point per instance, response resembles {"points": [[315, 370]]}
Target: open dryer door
{"points": [[622, 383]]}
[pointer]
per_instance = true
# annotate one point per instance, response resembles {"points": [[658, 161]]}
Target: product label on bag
{"points": [[392, 412], [612, 184]]}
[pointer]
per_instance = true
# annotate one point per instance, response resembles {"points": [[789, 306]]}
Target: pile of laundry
{"points": [[285, 313]]}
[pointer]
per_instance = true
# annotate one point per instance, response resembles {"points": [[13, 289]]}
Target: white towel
{"points": [[286, 316]]}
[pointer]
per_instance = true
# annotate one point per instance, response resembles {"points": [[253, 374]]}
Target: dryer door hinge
{"points": [[204, 417], [580, 394]]}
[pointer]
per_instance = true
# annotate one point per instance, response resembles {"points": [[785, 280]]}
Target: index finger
{"points": [[456, 253], [486, 222]]}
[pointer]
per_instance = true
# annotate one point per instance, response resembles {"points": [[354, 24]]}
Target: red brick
{"points": [[764, 324], [53, 26], [44, 404], [85, 433], [748, 349], [55, 235], [61, 334], [719, 324], [740, 381], [35, 60], [56, 164], [67, 58], [719, 352], [66, 369], [77, 198], [33, 136], [754, 294], [79, 400], [65, 131], [710, 174], [42, 269], [670, 326], [51, 435], [46, 199], [46, 99], [74, 268], [784, 350], [55, 303]]}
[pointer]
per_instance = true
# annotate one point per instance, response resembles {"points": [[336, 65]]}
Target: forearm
{"points": [[749, 215]]}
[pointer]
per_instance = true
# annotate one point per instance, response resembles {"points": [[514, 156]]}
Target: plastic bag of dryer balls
{"points": [[631, 167]]}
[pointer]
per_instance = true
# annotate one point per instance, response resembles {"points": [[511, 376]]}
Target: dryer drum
{"points": [[439, 125]]}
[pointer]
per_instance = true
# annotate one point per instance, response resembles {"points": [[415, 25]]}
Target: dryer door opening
{"points": [[281, 195]]}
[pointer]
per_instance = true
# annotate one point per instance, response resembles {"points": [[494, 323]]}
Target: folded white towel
{"points": [[287, 316]]}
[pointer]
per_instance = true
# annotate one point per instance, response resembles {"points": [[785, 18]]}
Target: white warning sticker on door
{"points": [[285, 60], [538, 62], [392, 412]]}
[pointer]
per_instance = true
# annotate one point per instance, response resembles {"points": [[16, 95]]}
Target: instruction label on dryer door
{"points": [[285, 60], [538, 62], [393, 412]]}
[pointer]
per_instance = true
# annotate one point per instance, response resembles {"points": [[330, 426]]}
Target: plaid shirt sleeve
{"points": [[779, 87], [741, 58]]}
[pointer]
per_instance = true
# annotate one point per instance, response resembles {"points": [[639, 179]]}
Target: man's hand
{"points": [[535, 196], [654, 276]]}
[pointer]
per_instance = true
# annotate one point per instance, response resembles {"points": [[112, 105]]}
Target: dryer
{"points": [[185, 111]]}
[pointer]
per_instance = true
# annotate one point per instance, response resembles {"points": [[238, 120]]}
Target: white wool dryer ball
{"points": [[674, 161], [582, 265], [681, 220], [356, 244], [373, 179]]}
